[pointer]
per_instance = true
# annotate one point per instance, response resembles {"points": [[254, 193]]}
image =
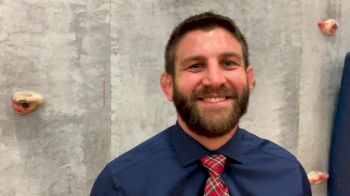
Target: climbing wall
{"points": [[97, 64]]}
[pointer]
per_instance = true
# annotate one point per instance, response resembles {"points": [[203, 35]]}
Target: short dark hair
{"points": [[203, 21]]}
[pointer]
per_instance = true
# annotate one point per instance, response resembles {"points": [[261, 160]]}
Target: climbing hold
{"points": [[26, 101], [329, 26], [316, 177]]}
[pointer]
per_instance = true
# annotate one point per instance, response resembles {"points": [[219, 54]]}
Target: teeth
{"points": [[213, 100]]}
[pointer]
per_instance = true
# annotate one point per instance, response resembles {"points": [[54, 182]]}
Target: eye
{"points": [[228, 64], [195, 67]]}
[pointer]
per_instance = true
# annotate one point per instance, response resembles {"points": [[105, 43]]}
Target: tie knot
{"points": [[214, 164]]}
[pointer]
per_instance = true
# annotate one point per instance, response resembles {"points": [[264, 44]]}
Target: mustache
{"points": [[222, 91]]}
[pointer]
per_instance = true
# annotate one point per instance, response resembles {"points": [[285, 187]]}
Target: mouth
{"points": [[213, 99], [219, 97], [220, 101]]}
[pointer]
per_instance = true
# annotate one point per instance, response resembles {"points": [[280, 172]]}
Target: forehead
{"points": [[207, 42]]}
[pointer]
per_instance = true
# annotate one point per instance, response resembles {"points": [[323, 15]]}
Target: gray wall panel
{"points": [[59, 49]]}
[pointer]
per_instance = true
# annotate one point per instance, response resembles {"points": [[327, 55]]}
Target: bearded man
{"points": [[208, 78]]}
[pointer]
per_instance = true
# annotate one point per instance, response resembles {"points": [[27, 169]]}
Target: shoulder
{"points": [[148, 150], [132, 163], [264, 147], [275, 164]]}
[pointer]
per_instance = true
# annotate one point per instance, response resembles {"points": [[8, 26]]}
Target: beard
{"points": [[211, 122]]}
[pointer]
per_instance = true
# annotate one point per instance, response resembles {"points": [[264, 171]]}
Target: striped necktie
{"points": [[215, 164]]}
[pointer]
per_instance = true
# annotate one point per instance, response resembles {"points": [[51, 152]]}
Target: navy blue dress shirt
{"points": [[168, 164]]}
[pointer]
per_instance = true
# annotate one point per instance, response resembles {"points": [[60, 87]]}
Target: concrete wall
{"points": [[98, 64]]}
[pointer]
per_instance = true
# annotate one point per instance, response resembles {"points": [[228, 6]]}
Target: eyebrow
{"points": [[192, 58], [202, 58], [231, 54]]}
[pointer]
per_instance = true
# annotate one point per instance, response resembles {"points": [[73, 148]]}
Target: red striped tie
{"points": [[215, 186]]}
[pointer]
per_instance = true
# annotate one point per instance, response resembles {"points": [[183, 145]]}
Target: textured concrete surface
{"points": [[320, 75], [61, 50], [98, 64]]}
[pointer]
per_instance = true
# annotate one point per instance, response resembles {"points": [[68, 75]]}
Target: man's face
{"points": [[210, 88]]}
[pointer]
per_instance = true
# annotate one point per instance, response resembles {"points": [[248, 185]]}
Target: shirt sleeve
{"points": [[305, 183], [104, 184]]}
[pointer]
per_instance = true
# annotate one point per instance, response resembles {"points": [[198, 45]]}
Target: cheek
{"points": [[238, 80], [188, 83]]}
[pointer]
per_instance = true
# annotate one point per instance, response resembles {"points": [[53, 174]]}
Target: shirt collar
{"points": [[188, 150]]}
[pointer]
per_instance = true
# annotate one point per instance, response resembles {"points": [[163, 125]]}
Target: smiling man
{"points": [[208, 78]]}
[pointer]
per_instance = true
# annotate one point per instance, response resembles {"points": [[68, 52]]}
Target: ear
{"points": [[166, 82], [250, 77]]}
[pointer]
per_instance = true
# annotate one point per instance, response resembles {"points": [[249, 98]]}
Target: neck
{"points": [[210, 143]]}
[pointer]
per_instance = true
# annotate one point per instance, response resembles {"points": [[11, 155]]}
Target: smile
{"points": [[221, 101], [214, 100]]}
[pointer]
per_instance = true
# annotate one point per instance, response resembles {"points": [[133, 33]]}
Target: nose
{"points": [[214, 76]]}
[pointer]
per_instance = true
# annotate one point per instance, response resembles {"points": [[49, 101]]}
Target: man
{"points": [[208, 77]]}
